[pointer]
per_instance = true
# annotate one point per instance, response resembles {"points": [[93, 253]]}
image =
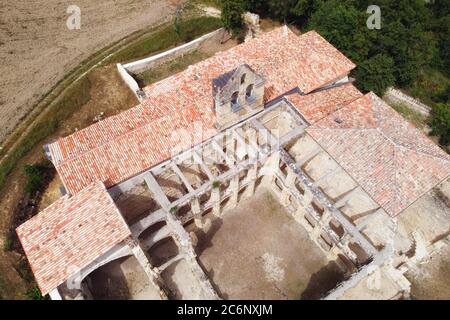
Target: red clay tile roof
{"points": [[70, 233], [319, 104], [391, 160], [126, 144]]}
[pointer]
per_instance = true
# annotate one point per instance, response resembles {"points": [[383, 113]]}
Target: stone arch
{"points": [[163, 250], [121, 278], [243, 78], [114, 254], [249, 92], [235, 100]]}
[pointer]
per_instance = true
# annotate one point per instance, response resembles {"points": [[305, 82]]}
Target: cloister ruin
{"points": [[262, 172]]}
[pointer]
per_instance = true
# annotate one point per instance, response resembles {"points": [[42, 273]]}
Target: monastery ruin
{"points": [[259, 173]]}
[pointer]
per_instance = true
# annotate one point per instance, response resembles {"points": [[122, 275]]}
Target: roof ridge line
{"points": [[154, 121], [412, 127], [400, 145]]}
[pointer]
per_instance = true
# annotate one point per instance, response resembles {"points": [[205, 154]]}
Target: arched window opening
{"points": [[243, 78], [234, 101], [249, 93]]}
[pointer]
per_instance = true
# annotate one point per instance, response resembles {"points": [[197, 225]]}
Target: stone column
{"points": [[252, 176], [307, 197], [231, 147], [153, 276], [215, 199], [290, 183], [325, 218], [315, 233], [334, 252], [299, 214], [196, 210], [269, 169], [344, 242], [234, 187]]}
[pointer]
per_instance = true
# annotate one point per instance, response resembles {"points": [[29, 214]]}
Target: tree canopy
{"points": [[414, 37], [407, 36]]}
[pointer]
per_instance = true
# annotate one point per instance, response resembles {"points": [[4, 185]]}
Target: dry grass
{"points": [[416, 118], [170, 67]]}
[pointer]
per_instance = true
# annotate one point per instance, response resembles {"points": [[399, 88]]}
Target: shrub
{"points": [[440, 122], [7, 244], [216, 184], [35, 176], [375, 74], [35, 294], [232, 16]]}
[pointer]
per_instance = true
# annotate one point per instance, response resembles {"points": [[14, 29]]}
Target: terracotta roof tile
{"points": [[316, 105], [113, 149], [393, 161], [70, 233]]}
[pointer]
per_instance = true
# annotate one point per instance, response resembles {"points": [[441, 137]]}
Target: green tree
{"points": [[289, 11], [177, 26], [375, 74], [232, 11], [36, 175], [34, 178], [440, 122], [404, 37], [343, 25], [35, 294]]}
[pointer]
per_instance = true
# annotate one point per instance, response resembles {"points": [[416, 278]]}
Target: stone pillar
{"points": [[290, 183], [196, 210], [251, 176], [334, 252], [299, 214], [325, 218], [271, 166], [194, 239], [307, 197], [234, 187], [231, 147], [344, 242], [215, 199], [315, 233], [285, 197], [55, 295], [153, 276]]}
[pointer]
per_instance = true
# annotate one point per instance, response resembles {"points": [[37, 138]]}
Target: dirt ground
{"points": [[37, 49], [182, 283], [257, 251], [432, 280], [122, 279]]}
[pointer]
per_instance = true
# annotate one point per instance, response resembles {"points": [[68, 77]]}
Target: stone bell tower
{"points": [[238, 94]]}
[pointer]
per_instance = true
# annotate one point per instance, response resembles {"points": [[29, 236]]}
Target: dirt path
{"points": [[37, 49]]}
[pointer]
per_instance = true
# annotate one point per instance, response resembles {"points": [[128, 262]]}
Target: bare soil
{"points": [[37, 49], [122, 279], [257, 251], [431, 280]]}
